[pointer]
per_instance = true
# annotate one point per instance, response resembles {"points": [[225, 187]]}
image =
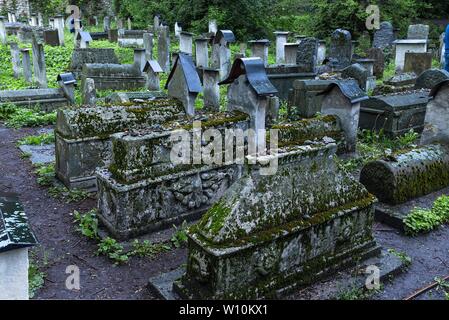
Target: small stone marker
{"points": [[178, 29], [213, 26], [156, 23], [259, 49], [15, 59], [113, 35], [321, 56], [40, 69], [148, 45], [129, 24], [384, 37], [152, 69], [436, 123], [211, 78], [163, 49], [377, 55], [306, 56], [291, 51], [51, 38], [202, 52], [341, 48], [186, 42], [84, 39], [89, 92], [26, 64], [418, 31], [358, 72], [184, 83], [281, 40], [417, 62], [221, 53], [139, 58], [106, 23], [60, 25], [408, 45]]}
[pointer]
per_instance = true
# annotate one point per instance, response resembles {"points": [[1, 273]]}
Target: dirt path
{"points": [[101, 279]]}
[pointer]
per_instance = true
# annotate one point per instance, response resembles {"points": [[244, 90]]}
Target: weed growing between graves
{"points": [[148, 249], [16, 117], [356, 293], [424, 220], [443, 286], [405, 259], [87, 223], [36, 277], [179, 237], [373, 146], [68, 195], [45, 174], [113, 250], [38, 140]]}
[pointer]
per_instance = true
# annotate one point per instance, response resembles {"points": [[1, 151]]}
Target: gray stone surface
{"points": [[26, 64], [384, 37], [418, 31], [51, 37], [89, 93], [211, 93], [259, 49], [114, 76], [358, 72], [148, 45], [163, 48], [436, 123], [306, 56], [341, 48], [283, 77], [91, 55], [417, 62], [15, 59], [379, 61], [40, 68], [430, 78], [39, 154]]}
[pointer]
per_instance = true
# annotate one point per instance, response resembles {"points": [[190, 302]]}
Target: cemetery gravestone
{"points": [[384, 37], [163, 49], [26, 64], [291, 51], [15, 59], [51, 38], [211, 94], [40, 70], [417, 62], [431, 78], [259, 48], [418, 31], [221, 53], [186, 42], [281, 40], [148, 45], [3, 38], [409, 45], [202, 52], [341, 48], [306, 57], [436, 127], [152, 70], [379, 61]]}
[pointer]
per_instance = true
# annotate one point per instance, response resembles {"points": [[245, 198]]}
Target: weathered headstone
{"points": [[60, 26], [221, 52], [409, 45], [291, 51], [417, 62], [113, 35], [341, 48], [40, 69], [40, 20], [281, 40], [152, 70], [129, 24], [211, 94], [418, 31], [384, 37], [83, 39], [163, 48], [51, 38], [357, 72], [259, 49], [202, 52], [148, 45], [186, 42], [306, 57], [184, 83], [89, 93], [379, 61], [139, 58], [156, 24], [178, 29], [26, 64], [15, 59], [213, 26], [321, 52], [67, 84], [81, 57], [3, 37], [368, 64], [436, 124], [431, 78], [106, 23]]}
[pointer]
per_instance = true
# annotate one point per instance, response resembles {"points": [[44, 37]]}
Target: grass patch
{"points": [[38, 140], [17, 117], [45, 174], [425, 220], [68, 195]]}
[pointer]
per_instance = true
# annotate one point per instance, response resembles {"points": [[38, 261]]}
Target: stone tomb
{"points": [[395, 114], [80, 57], [384, 37], [114, 76], [16, 238], [409, 45], [431, 78], [341, 49], [283, 77], [131, 38], [83, 135]]}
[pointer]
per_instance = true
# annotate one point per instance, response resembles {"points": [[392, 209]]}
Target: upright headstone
{"points": [[408, 45], [341, 48], [418, 31], [26, 65], [148, 45], [259, 49], [321, 56], [221, 52], [9, 17], [379, 61], [51, 38], [291, 50], [139, 58], [417, 62], [186, 42], [106, 23], [156, 24], [59, 25], [89, 95], [306, 57], [40, 20], [178, 29], [3, 38], [129, 24], [163, 48], [13, 17], [40, 70], [281, 40], [152, 70], [33, 22], [211, 94], [113, 35], [15, 59], [202, 52], [51, 23], [213, 26], [384, 37]]}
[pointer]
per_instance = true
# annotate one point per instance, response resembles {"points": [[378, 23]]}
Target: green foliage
{"points": [[36, 277], [406, 260], [113, 250], [423, 220], [45, 138], [16, 117], [45, 174], [148, 249], [179, 237], [69, 196], [87, 223]]}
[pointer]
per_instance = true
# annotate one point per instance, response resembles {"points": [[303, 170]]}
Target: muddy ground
{"points": [[62, 245]]}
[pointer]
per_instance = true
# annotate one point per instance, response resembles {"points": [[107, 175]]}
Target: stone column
{"points": [[321, 52], [89, 93], [259, 48], [40, 20], [40, 71], [26, 64], [156, 24], [15, 59], [211, 78], [291, 50], [106, 23], [139, 58], [130, 27], [163, 48], [202, 52], [3, 38], [281, 40], [148, 45], [60, 25], [213, 26], [185, 42]]}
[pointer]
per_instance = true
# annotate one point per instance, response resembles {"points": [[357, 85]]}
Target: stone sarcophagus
{"points": [[394, 114], [143, 189], [83, 136], [271, 233]]}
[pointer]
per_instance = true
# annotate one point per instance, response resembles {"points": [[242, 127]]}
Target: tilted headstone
{"points": [[281, 40], [3, 38], [60, 25], [89, 93], [184, 83], [221, 52], [26, 64], [377, 55], [40, 69], [357, 72], [152, 70], [259, 49], [249, 92], [306, 57], [291, 51], [202, 52], [436, 123], [148, 45], [186, 42], [15, 59], [321, 52], [211, 94], [431, 78], [163, 48], [408, 45], [342, 99], [341, 48], [384, 37], [417, 62], [418, 31], [368, 64], [67, 83]]}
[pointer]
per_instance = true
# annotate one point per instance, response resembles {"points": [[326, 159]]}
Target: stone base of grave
{"points": [[328, 289], [129, 210], [47, 100], [394, 215]]}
